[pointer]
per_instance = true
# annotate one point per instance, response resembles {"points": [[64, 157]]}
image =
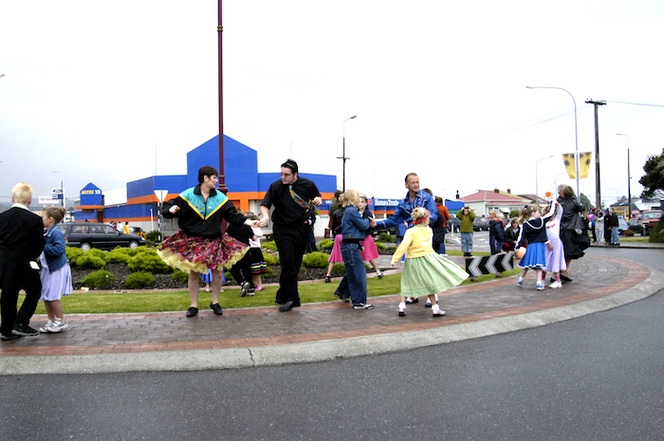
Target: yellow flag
{"points": [[584, 163], [568, 160]]}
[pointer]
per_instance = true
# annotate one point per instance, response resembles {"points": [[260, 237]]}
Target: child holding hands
{"points": [[425, 272], [534, 234]]}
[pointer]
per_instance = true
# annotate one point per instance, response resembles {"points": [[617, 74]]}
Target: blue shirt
{"points": [[352, 224], [405, 209]]}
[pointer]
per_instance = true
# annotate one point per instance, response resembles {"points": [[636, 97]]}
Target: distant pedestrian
{"points": [[533, 232], [21, 243], [615, 231], [126, 229], [467, 217], [425, 271], [444, 216], [599, 226], [55, 271]]}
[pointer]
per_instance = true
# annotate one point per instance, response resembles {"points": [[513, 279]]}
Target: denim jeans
{"points": [[615, 236], [354, 283], [467, 242]]}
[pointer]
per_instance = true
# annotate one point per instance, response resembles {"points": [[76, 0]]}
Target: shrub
{"points": [[153, 236], [97, 253], [657, 234], [98, 279], [384, 237], [629, 233], [326, 244], [90, 261], [270, 259], [272, 246], [116, 256], [180, 276], [339, 270], [73, 254], [148, 261], [140, 279], [128, 251], [315, 260]]}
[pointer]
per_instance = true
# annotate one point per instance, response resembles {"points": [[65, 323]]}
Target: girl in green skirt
{"points": [[425, 273]]}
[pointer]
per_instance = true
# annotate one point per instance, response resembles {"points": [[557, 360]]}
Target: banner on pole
{"points": [[585, 158]]}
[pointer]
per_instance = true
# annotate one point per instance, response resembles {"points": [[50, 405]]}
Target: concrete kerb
{"points": [[321, 350]]}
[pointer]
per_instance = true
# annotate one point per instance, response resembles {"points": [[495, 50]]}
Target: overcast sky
{"points": [[109, 92]]}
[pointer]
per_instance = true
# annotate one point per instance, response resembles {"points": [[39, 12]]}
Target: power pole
{"points": [[598, 197]]}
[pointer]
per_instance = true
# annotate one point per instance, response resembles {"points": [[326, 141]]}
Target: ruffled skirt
{"points": [[370, 251], [430, 274], [258, 265], [55, 284], [197, 254], [335, 255]]}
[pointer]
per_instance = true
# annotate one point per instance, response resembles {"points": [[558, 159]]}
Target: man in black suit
{"points": [[21, 243]]}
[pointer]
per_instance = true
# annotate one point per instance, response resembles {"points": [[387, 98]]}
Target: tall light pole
{"points": [[343, 157], [537, 180], [220, 30], [62, 187], [629, 179], [576, 133]]}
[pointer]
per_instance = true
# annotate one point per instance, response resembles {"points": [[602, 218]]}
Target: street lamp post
{"points": [[536, 178], [62, 187], [343, 157], [576, 133], [629, 180]]}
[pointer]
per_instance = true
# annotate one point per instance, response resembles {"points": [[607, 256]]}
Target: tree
{"points": [[585, 202], [653, 180]]}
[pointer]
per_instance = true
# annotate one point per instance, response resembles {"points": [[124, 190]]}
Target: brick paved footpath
{"points": [[594, 278]]}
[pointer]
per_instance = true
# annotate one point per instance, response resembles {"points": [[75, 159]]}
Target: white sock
{"points": [[402, 306], [435, 308]]}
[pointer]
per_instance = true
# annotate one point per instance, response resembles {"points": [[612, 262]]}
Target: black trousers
{"points": [[291, 243], [26, 278], [241, 271]]}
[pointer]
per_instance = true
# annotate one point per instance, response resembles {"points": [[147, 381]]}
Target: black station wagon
{"points": [[88, 235]]}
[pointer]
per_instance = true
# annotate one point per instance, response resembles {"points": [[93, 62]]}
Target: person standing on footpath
{"points": [[445, 216], [291, 196], [467, 217], [21, 243], [615, 231], [200, 245]]}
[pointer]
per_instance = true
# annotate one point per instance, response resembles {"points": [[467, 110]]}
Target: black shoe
{"points": [[565, 278], [244, 289], [216, 309], [363, 306], [327, 279], [288, 306], [26, 330], [191, 312], [10, 337]]}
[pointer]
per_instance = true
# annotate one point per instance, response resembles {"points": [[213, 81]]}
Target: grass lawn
{"points": [[127, 302], [634, 239]]}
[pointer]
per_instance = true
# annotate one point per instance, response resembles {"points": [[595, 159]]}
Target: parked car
{"points": [[481, 224], [634, 224], [88, 235], [649, 219], [453, 224], [622, 225], [137, 231]]}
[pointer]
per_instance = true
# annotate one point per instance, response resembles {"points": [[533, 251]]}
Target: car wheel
{"points": [[133, 244], [85, 246]]}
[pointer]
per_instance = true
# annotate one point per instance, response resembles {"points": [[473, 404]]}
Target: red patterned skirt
{"points": [[192, 253]]}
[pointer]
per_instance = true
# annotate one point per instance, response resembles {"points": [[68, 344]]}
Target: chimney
{"points": [[509, 191], [495, 190]]}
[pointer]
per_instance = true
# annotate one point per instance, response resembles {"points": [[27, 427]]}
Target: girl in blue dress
{"points": [[534, 235]]}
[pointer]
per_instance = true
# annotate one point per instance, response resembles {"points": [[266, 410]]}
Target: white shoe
{"points": [[555, 285], [46, 328], [437, 312], [59, 326]]}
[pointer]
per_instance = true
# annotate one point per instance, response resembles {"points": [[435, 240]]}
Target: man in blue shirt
{"points": [[415, 198]]}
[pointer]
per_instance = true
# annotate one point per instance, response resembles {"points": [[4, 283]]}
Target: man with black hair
{"points": [[292, 196]]}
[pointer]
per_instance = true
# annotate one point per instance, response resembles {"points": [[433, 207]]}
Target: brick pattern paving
{"points": [[122, 333]]}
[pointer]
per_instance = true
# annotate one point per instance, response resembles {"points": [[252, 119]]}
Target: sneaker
{"points": [[59, 326], [556, 284], [46, 328], [411, 300], [540, 286], [427, 304], [244, 288], [380, 274], [363, 306], [26, 330], [10, 337], [519, 281], [251, 292], [437, 312], [216, 309], [327, 279], [191, 312]]}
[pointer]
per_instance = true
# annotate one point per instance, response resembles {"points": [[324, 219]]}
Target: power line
{"points": [[635, 104]]}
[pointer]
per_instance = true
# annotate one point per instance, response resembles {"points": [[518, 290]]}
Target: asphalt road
{"points": [[599, 377]]}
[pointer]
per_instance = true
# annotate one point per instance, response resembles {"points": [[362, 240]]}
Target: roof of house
{"points": [[495, 197]]}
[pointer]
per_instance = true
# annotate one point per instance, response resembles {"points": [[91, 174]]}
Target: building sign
{"points": [[91, 196]]}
